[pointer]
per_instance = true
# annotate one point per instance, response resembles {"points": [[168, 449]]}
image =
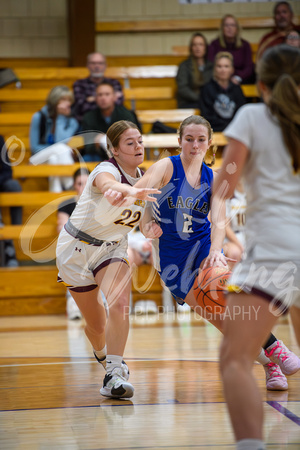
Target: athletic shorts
{"points": [[79, 262], [276, 281], [179, 268]]}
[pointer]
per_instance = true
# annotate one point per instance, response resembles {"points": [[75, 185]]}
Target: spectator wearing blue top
{"points": [[53, 124]]}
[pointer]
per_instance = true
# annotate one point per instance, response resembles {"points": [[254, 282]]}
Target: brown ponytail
{"points": [[279, 70]]}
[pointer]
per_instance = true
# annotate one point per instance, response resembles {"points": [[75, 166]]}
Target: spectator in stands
{"points": [[283, 18], [220, 98], [8, 184], [293, 39], [65, 210], [230, 40], [101, 118], [54, 124], [85, 89], [193, 73]]}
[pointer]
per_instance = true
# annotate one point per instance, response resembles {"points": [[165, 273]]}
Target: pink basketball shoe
{"points": [[279, 354], [275, 380]]}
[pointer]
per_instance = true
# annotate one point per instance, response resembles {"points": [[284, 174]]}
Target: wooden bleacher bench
{"points": [[28, 231], [52, 199], [37, 292], [140, 97], [31, 290], [48, 170], [175, 25]]}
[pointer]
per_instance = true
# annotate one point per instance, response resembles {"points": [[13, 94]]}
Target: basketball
{"points": [[209, 289]]}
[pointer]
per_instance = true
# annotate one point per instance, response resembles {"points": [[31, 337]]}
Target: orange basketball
{"points": [[209, 289]]}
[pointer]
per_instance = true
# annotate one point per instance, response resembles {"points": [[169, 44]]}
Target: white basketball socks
{"points": [[250, 444], [262, 358], [101, 356]]}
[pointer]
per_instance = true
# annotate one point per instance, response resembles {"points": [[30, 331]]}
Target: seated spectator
{"points": [[101, 118], [283, 18], [8, 184], [64, 212], [293, 39], [193, 73], [85, 89], [54, 124], [221, 98], [230, 40]]}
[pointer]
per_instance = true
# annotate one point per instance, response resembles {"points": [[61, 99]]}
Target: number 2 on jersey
{"points": [[187, 224]]}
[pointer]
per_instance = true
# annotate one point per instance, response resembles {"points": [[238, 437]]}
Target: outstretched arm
{"points": [[158, 175], [121, 194]]}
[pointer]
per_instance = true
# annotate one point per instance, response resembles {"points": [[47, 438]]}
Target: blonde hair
{"points": [[238, 39], [279, 70], [220, 55], [115, 132], [199, 120], [55, 95]]}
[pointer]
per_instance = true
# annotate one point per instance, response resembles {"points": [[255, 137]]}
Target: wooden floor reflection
{"points": [[50, 389]]}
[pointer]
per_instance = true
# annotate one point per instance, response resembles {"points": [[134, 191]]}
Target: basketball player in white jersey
{"points": [[92, 254], [264, 147]]}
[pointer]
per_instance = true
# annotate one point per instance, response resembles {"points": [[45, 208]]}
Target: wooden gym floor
{"points": [[50, 389]]}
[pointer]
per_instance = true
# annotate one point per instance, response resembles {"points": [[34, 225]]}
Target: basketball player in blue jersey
{"points": [[184, 239]]}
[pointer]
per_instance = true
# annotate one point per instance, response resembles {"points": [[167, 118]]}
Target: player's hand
{"points": [[128, 198], [152, 230], [216, 259]]}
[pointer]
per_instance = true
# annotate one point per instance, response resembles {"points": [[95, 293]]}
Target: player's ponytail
{"points": [[279, 70]]}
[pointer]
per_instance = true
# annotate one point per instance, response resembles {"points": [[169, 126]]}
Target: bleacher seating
{"points": [[38, 291]]}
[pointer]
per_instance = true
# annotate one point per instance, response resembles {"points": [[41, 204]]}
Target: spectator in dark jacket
{"points": [[101, 118], [8, 184], [193, 73], [85, 89], [230, 40], [221, 98]]}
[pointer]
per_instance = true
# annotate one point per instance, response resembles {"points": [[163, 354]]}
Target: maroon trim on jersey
{"points": [[268, 297], [123, 178], [107, 262], [88, 288]]}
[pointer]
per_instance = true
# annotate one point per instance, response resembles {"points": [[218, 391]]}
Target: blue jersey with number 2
{"points": [[181, 211]]}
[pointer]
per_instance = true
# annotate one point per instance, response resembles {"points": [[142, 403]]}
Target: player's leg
{"points": [[243, 336], [232, 251], [115, 282], [93, 311], [275, 379], [214, 319]]}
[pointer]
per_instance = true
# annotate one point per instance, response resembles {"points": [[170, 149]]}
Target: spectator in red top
{"points": [[230, 40], [283, 17], [85, 89]]}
